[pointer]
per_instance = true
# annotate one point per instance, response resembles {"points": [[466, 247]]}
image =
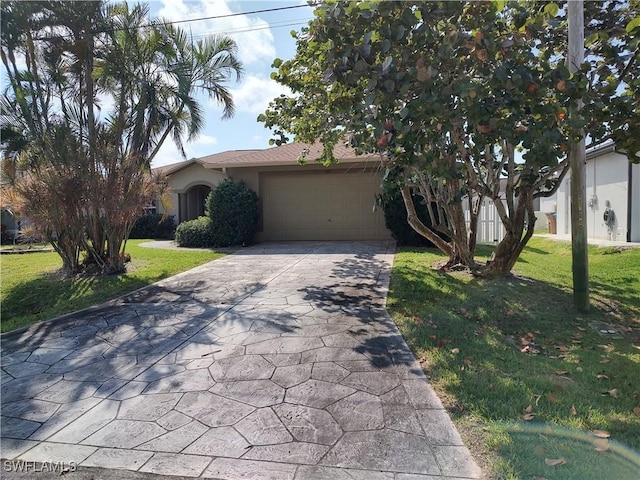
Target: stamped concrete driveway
{"points": [[276, 362]]}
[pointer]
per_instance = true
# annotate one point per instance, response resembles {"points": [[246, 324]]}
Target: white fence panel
{"points": [[490, 228]]}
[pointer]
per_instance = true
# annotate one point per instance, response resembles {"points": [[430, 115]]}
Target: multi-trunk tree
{"points": [[465, 100], [94, 91]]}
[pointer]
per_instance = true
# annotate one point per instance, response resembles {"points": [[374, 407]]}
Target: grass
{"points": [[33, 288], [526, 378]]}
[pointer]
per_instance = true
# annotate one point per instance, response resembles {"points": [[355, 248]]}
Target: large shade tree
{"points": [[94, 91], [450, 92]]}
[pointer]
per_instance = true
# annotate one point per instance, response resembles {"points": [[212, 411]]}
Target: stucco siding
{"points": [[635, 204], [183, 182], [606, 188], [193, 175]]}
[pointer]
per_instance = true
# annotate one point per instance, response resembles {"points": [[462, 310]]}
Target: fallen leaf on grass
{"points": [[528, 417], [455, 351], [418, 320], [562, 372], [467, 362], [636, 410], [605, 360], [614, 392], [573, 410], [601, 445], [599, 434], [529, 409], [539, 450], [552, 398], [602, 376], [555, 461]]}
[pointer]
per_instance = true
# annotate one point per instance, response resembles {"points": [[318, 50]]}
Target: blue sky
{"points": [[261, 38]]}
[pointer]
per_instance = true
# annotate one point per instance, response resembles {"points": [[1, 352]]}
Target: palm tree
{"points": [[82, 54]]}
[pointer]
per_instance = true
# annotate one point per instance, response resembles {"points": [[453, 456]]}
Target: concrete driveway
{"points": [[276, 362]]}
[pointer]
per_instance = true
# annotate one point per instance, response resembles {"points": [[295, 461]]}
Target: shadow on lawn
{"points": [[39, 298], [473, 334]]}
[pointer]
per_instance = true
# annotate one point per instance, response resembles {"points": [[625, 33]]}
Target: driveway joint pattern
{"points": [[278, 361]]}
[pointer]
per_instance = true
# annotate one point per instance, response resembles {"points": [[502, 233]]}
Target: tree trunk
{"points": [[509, 249], [458, 252], [418, 226]]}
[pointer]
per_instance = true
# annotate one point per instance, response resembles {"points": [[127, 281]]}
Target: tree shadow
{"points": [[474, 334], [85, 357], [359, 294]]}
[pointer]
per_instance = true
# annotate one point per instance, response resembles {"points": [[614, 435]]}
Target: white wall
{"points": [[635, 203], [606, 181]]}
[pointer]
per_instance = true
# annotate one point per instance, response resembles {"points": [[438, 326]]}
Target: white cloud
{"points": [[255, 41], [255, 93], [169, 153], [205, 140]]}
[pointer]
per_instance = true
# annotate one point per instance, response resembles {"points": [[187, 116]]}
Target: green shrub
{"points": [[395, 217], [152, 225], [195, 233], [234, 212]]}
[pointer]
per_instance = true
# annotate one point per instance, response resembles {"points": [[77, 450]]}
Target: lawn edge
{"points": [[97, 307]]}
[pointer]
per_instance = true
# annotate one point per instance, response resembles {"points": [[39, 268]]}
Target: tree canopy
{"points": [[466, 100]]}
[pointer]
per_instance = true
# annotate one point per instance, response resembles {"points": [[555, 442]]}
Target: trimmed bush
{"points": [[195, 233], [395, 218], [152, 225], [234, 212]]}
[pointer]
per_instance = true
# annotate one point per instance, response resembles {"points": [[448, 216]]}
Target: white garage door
{"points": [[326, 205]]}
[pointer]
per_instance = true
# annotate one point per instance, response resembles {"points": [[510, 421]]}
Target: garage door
{"points": [[326, 205]]}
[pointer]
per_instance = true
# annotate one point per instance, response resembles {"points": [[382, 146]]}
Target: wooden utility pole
{"points": [[577, 161]]}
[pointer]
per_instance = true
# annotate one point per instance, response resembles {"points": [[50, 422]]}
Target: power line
{"points": [[215, 17], [269, 26]]}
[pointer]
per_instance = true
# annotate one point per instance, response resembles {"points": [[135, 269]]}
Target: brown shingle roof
{"points": [[209, 159], [275, 156], [283, 155]]}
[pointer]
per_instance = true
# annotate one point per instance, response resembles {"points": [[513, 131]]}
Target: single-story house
{"points": [[612, 197], [297, 202]]}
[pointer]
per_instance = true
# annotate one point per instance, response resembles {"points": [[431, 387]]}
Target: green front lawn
{"points": [[33, 288], [526, 379]]}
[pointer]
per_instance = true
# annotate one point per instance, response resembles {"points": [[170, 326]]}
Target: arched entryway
{"points": [[192, 202]]}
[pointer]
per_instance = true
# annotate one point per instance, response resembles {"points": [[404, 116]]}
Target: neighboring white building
{"points": [[612, 197]]}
